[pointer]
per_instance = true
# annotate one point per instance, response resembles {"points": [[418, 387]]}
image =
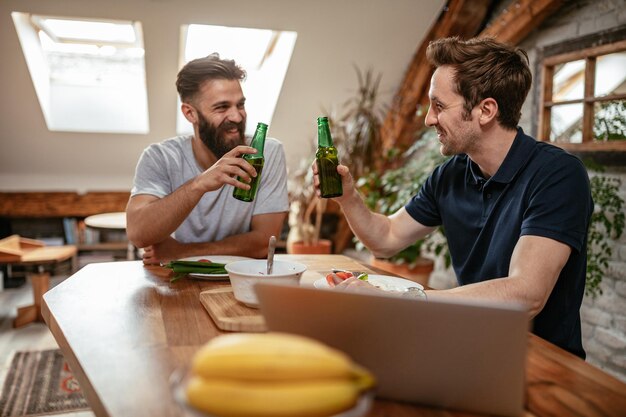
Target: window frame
{"points": [[39, 22], [254, 99], [28, 27], [587, 48]]}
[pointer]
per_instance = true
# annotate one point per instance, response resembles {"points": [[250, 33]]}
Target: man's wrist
{"points": [[350, 198], [199, 248], [195, 187]]}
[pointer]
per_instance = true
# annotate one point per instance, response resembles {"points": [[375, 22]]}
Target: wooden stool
{"points": [[15, 250]]}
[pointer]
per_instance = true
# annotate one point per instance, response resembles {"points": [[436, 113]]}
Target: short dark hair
{"points": [[486, 68], [211, 67]]}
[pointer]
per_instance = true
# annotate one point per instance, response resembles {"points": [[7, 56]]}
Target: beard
{"points": [[463, 140], [213, 136]]}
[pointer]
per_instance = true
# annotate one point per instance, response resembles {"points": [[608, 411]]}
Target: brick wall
{"points": [[604, 318]]}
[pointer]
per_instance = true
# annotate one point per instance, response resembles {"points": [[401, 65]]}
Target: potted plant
{"points": [[356, 131], [386, 193], [304, 228], [607, 222]]}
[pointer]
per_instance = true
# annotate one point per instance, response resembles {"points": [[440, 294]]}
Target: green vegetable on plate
{"points": [[182, 268]]}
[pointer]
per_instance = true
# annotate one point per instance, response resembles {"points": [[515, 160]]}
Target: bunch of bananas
{"points": [[273, 375]]}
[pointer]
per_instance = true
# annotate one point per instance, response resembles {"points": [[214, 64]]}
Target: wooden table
{"points": [[124, 328], [111, 221]]}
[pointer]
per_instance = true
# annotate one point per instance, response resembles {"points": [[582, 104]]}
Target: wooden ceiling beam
{"points": [[519, 19], [458, 17]]}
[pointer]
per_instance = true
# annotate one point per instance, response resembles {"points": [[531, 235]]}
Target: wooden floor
{"points": [[34, 336]]}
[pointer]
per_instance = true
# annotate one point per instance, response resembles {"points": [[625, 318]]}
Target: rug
{"points": [[40, 383]]}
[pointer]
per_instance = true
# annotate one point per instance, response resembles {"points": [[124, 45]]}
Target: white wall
{"points": [[332, 36]]}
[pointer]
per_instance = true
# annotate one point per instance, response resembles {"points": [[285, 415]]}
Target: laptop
{"points": [[465, 356]]}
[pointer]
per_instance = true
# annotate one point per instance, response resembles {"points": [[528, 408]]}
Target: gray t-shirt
{"points": [[165, 166]]}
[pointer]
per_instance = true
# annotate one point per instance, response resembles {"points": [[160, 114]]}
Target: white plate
{"points": [[220, 259], [384, 282]]}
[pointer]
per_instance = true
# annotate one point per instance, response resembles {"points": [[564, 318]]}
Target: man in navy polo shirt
{"points": [[516, 211]]}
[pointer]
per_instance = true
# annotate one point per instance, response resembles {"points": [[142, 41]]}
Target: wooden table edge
{"points": [[87, 388]]}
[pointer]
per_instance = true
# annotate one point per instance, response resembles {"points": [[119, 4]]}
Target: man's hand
{"points": [[227, 169], [168, 250], [347, 182], [354, 284]]}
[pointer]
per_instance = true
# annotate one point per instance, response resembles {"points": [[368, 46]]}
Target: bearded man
{"points": [[181, 203]]}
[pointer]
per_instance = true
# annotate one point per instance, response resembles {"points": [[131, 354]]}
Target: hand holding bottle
{"points": [[226, 171], [327, 161], [257, 161], [347, 182]]}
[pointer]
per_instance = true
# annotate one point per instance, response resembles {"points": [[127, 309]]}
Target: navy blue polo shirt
{"points": [[539, 190]]}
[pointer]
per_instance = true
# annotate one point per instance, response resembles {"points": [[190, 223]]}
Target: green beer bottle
{"points": [[257, 161], [327, 161]]}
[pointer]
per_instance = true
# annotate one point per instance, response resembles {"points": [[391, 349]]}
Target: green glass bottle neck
{"points": [[324, 139], [258, 141]]}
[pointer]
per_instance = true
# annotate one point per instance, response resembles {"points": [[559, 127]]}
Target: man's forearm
{"points": [[158, 219], [252, 244], [503, 290], [369, 227]]}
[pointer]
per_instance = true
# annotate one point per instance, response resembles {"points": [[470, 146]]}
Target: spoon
{"points": [[270, 255]]}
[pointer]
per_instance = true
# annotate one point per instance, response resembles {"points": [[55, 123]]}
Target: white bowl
{"points": [[244, 274]]}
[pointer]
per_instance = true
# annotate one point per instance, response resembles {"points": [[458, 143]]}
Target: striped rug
{"points": [[40, 383]]}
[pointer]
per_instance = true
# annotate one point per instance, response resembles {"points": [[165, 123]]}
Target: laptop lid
{"points": [[459, 355]]}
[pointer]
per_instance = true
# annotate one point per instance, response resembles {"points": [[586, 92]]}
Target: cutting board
{"points": [[229, 314]]}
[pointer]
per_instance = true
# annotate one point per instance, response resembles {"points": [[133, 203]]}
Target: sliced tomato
{"points": [[344, 275], [204, 260], [330, 280]]}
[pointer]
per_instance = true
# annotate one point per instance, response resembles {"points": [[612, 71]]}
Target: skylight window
{"points": [[263, 53], [89, 74], [87, 31]]}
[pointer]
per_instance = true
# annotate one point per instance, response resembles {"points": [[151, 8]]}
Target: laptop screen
{"points": [[462, 355]]}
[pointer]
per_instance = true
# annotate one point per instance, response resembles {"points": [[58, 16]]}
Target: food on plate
{"points": [[273, 374], [201, 266], [337, 275]]}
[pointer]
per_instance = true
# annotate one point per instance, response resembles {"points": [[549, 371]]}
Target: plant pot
{"points": [[419, 273], [323, 247]]}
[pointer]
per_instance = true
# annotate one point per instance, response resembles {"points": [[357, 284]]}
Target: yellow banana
{"points": [[270, 356], [228, 398], [273, 375]]}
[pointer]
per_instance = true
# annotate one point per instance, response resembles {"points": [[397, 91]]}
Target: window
{"points": [[89, 74], [263, 53], [583, 104]]}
